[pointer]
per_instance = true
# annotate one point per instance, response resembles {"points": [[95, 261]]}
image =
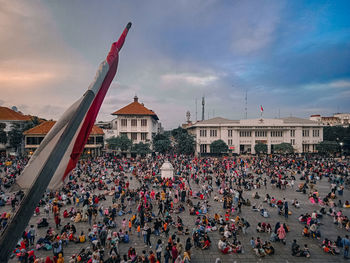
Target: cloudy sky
{"points": [[292, 57]]}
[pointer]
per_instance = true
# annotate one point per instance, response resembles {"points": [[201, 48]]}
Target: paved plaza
{"points": [[282, 252]]}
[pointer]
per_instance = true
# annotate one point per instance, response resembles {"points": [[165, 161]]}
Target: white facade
{"points": [[138, 128], [135, 121], [338, 119], [241, 136]]}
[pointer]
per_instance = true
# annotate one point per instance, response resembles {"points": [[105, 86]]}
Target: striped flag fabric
{"points": [[88, 107]]}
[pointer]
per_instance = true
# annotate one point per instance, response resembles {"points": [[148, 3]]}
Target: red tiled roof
{"points": [[135, 108], [45, 127], [8, 114]]}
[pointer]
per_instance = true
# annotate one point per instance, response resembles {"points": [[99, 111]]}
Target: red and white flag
{"points": [[261, 108], [88, 107]]}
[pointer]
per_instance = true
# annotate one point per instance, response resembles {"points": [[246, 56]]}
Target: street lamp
{"points": [[341, 148]]}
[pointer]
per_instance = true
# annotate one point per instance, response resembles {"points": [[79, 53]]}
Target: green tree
{"points": [[284, 148], [328, 147], [15, 136], [3, 134], [335, 133], [161, 143], [141, 149], [185, 143], [260, 148], [122, 143], [218, 147], [176, 133], [35, 121], [338, 134]]}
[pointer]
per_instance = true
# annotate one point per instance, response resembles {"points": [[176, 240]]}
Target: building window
{"points": [[213, 133], [276, 134], [315, 133], [134, 136], [143, 122], [230, 133], [229, 141], [34, 140], [124, 134], [143, 136], [245, 134], [260, 134], [134, 122], [292, 141], [306, 133], [203, 148], [124, 122], [99, 140], [292, 133], [203, 133], [91, 140]]}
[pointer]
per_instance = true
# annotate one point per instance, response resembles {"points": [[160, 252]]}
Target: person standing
{"points": [[346, 245], [286, 209], [32, 235], [148, 237], [159, 249]]}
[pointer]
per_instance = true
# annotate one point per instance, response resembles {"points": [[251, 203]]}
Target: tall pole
{"points": [[246, 103], [196, 111], [203, 103]]}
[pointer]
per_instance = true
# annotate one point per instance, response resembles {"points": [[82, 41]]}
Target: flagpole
{"points": [[21, 218]]}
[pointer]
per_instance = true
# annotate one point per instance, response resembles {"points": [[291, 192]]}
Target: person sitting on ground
{"points": [[206, 243], [306, 232], [223, 246], [82, 237], [346, 204], [268, 248], [295, 248]]}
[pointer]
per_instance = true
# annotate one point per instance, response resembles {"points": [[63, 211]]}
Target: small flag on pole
{"points": [[261, 108]]}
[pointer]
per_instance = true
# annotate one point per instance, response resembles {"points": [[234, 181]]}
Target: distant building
{"points": [[10, 117], [338, 119], [135, 121], [34, 136], [241, 136]]}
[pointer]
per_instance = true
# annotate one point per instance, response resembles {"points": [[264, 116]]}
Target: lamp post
{"points": [[341, 149], [199, 152]]}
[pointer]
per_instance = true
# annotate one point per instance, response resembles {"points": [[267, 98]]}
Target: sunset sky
{"points": [[292, 57]]}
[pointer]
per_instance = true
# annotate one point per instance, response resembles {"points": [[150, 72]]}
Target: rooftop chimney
{"points": [[136, 99]]}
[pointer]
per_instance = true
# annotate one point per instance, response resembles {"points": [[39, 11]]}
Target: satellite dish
{"points": [[14, 108]]}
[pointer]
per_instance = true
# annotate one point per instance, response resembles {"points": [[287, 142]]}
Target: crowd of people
{"points": [[109, 203]]}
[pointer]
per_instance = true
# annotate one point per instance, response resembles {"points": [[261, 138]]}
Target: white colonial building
{"points": [[9, 118], [135, 121], [242, 135], [338, 119]]}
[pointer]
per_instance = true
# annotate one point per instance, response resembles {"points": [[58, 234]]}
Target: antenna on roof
{"points": [[203, 103], [196, 110]]}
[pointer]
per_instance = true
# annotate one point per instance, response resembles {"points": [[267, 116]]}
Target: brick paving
{"points": [[282, 252]]}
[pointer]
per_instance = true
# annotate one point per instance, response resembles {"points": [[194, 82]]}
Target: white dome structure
{"points": [[167, 170]]}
